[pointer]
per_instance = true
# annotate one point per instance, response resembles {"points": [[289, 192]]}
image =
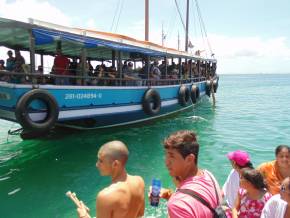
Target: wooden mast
{"points": [[146, 20], [186, 27], [147, 60]]}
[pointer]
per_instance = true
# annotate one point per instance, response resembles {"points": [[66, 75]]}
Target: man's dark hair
{"points": [[280, 148], [184, 141], [255, 178]]}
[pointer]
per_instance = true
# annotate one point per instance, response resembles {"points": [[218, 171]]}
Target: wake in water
{"points": [[196, 118]]}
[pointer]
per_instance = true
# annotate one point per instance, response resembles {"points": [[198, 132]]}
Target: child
{"points": [[252, 195], [239, 160]]}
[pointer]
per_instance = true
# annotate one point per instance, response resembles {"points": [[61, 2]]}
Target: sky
{"points": [[246, 36]]}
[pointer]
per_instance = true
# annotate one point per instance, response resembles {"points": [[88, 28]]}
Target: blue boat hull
{"points": [[95, 107]]}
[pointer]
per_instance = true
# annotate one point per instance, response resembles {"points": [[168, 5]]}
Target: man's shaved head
{"points": [[115, 150]]}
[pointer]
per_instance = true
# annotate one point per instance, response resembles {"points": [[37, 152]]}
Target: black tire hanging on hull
{"points": [[208, 88], [183, 95], [151, 102], [22, 111], [194, 94], [215, 85]]}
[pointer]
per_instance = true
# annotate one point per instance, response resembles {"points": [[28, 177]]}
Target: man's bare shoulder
{"points": [[114, 188], [137, 179], [110, 190]]}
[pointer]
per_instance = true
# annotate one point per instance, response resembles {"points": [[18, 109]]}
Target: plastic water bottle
{"points": [[156, 187]]}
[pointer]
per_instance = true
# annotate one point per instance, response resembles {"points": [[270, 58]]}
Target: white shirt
{"points": [[231, 188], [274, 208]]}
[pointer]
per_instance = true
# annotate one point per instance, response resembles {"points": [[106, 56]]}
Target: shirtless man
{"points": [[124, 198]]}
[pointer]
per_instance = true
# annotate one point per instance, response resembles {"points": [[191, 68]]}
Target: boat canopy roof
{"points": [[99, 45]]}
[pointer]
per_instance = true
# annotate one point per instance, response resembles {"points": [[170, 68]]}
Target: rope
{"points": [[121, 9], [171, 27], [116, 11], [180, 16], [203, 29]]}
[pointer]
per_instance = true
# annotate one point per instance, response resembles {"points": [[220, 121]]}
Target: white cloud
{"points": [[240, 47], [91, 24], [23, 9], [251, 54]]}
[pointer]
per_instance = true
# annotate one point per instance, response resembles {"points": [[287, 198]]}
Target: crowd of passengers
{"points": [[67, 71]]}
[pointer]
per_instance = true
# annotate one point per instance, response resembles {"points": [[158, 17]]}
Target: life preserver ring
{"points": [[208, 88], [22, 111], [193, 94], [151, 102], [183, 95]]}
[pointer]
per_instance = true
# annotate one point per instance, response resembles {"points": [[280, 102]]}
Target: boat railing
{"points": [[72, 80]]}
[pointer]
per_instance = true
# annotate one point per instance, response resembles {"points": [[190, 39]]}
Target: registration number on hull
{"points": [[82, 96]]}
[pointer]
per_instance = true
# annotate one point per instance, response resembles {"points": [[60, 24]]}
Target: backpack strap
{"points": [[197, 197], [216, 194]]}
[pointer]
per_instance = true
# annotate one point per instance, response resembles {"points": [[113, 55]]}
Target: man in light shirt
{"points": [[279, 205]]}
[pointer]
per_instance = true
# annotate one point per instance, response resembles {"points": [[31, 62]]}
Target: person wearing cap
{"points": [[277, 170], [239, 160]]}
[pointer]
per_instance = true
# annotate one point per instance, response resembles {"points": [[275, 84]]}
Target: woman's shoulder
{"points": [[267, 165]]}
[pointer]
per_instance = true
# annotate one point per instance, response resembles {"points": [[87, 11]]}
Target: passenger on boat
{"points": [[125, 66], [276, 171], [112, 75], [162, 68], [99, 73], [131, 75], [279, 205], [19, 67], [61, 68], [252, 195], [239, 160], [155, 72], [41, 79], [91, 68], [124, 197], [2, 67], [174, 76], [73, 70], [83, 73], [181, 159], [185, 70], [10, 62], [194, 70]]}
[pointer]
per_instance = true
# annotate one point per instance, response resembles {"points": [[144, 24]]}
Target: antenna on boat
{"points": [[146, 20], [178, 42]]}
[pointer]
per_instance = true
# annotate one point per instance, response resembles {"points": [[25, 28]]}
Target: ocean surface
{"points": [[252, 113]]}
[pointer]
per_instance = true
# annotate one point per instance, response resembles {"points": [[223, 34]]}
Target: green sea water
{"points": [[252, 113]]}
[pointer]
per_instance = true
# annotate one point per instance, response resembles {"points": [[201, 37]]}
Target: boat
{"points": [[89, 100]]}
